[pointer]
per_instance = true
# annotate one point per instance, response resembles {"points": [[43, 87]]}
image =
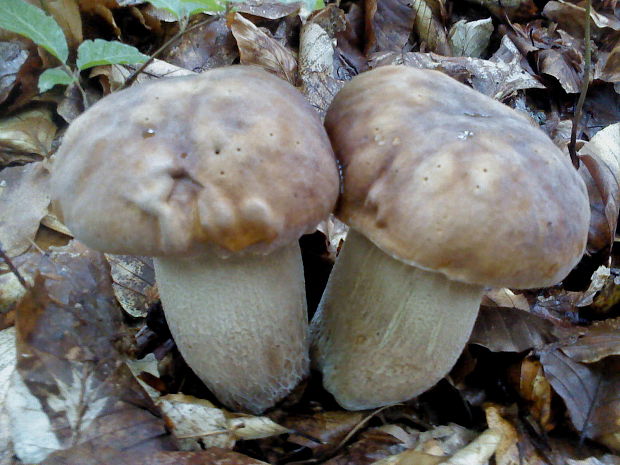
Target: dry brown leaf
{"points": [[429, 28], [388, 25], [514, 9], [499, 77], [208, 46], [24, 201], [570, 17], [600, 340], [26, 136], [611, 69], [7, 366], [502, 329], [133, 283], [328, 427], [504, 297], [258, 47], [411, 457], [477, 452], [566, 66], [372, 445], [590, 393], [13, 55], [268, 9], [601, 157], [198, 424], [532, 386], [70, 379], [114, 76], [316, 65], [470, 38], [85, 454]]}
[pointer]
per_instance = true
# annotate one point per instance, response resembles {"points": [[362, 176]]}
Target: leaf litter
{"points": [[540, 374]]}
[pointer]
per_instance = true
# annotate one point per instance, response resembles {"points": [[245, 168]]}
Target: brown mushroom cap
{"points": [[233, 159], [446, 179]]}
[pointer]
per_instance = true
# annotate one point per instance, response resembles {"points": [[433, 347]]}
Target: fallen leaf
{"points": [[610, 72], [470, 38], [388, 25], [70, 379], [330, 428], [601, 157], [133, 283], [26, 136], [258, 47], [534, 388], [570, 17], [67, 15], [502, 329], [411, 457], [316, 66], [372, 445], [13, 55], [499, 77], [268, 9], [590, 393], [208, 46], [514, 9], [599, 341], [7, 366], [477, 452], [429, 28], [24, 201]]}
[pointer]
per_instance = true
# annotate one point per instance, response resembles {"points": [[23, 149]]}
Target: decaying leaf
{"points": [[600, 340], [590, 393], [371, 446], [7, 366], [477, 452], [533, 387], [610, 72], [24, 201], [70, 379], [470, 38], [411, 457], [208, 46], [316, 64], [388, 25], [258, 47], [514, 9], [133, 283], [13, 55], [601, 157], [329, 428], [504, 329], [114, 76], [570, 17], [197, 423], [498, 77], [429, 28], [26, 136]]}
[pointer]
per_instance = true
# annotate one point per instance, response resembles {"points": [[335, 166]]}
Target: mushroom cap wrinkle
{"points": [[446, 179], [230, 160]]}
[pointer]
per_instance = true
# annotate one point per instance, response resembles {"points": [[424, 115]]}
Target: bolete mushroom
{"points": [[217, 176], [446, 191]]}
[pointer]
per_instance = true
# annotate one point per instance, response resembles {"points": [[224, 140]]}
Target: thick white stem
{"points": [[386, 331], [240, 323]]}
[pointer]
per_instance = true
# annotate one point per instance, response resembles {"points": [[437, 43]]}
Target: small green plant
{"points": [[29, 21]]}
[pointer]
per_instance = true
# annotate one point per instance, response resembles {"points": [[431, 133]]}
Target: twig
{"points": [[13, 269], [167, 44], [584, 88]]}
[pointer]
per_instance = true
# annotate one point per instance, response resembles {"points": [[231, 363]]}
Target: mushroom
{"points": [[217, 176], [446, 191]]}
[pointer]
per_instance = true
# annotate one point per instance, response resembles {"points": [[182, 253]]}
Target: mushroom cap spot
{"points": [[184, 165], [472, 190]]}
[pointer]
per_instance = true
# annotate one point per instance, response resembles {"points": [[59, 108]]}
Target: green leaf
{"points": [[29, 21], [175, 7], [52, 77], [103, 52], [203, 6]]}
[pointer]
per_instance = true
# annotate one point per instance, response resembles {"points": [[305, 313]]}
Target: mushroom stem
{"points": [[386, 331], [240, 323]]}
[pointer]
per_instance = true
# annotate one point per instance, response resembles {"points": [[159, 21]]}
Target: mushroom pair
{"points": [[216, 176], [446, 191]]}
